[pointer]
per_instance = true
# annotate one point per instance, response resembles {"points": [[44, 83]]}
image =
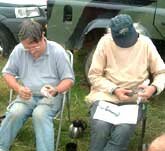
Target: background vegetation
{"points": [[25, 140]]}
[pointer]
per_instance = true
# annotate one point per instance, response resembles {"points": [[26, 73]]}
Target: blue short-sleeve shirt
{"points": [[50, 68]]}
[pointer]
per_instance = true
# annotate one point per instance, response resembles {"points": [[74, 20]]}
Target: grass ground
{"points": [[25, 140]]}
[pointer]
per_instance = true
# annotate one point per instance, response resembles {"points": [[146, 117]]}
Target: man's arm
{"points": [[24, 92], [157, 68], [97, 69], [12, 82], [63, 86]]}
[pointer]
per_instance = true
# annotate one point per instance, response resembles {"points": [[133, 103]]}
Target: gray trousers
{"points": [[108, 137]]}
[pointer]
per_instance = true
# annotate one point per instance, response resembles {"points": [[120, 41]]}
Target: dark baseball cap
{"points": [[123, 31]]}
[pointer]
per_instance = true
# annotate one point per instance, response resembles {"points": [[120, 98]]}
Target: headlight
{"points": [[22, 12]]}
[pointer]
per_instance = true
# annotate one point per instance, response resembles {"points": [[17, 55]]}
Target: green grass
{"points": [[4, 91], [25, 140]]}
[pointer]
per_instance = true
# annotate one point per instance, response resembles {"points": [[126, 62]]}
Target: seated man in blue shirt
{"points": [[41, 65]]}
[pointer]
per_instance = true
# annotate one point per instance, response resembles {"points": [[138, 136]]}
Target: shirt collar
{"points": [[47, 52]]}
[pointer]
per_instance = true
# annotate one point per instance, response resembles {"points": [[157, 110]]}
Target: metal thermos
{"points": [[76, 128]]}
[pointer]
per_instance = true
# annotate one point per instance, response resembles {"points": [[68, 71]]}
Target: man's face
{"points": [[34, 48]]}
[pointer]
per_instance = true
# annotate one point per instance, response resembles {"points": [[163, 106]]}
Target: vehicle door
{"points": [[160, 17], [63, 18]]}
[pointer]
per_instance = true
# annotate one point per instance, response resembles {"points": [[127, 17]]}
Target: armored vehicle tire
{"points": [[88, 62], [7, 42]]}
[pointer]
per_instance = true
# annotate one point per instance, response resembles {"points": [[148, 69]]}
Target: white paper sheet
{"points": [[115, 114]]}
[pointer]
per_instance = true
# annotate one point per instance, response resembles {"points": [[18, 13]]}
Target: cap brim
{"points": [[126, 40]]}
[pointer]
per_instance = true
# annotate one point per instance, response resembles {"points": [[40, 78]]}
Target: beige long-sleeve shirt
{"points": [[113, 66]]}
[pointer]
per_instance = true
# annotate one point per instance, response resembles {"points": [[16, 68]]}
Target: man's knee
{"points": [[126, 128], [16, 111], [100, 128], [40, 113], [123, 133]]}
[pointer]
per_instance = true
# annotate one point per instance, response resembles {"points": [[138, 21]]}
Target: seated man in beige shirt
{"points": [[122, 61]]}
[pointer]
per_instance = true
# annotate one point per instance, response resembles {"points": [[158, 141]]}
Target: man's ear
{"points": [[43, 34]]}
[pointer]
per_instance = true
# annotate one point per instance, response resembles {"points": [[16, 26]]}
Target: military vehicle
{"points": [[12, 14], [79, 24]]}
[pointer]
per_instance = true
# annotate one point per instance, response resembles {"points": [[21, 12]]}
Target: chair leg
{"points": [[140, 146], [60, 122], [68, 104], [10, 95], [2, 117]]}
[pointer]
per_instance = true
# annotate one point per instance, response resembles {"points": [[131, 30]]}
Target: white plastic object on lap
{"points": [[44, 91], [145, 83]]}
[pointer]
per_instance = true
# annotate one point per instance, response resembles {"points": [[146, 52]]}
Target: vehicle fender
{"points": [[95, 24], [3, 23], [104, 23], [141, 29], [2, 18]]}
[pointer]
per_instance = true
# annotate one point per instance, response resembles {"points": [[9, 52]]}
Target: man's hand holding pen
{"points": [[147, 91], [143, 92]]}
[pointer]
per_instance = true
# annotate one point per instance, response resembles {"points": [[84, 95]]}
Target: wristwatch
{"points": [[56, 92], [113, 90]]}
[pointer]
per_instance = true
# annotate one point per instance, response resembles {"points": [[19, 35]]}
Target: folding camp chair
{"points": [[65, 100]]}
